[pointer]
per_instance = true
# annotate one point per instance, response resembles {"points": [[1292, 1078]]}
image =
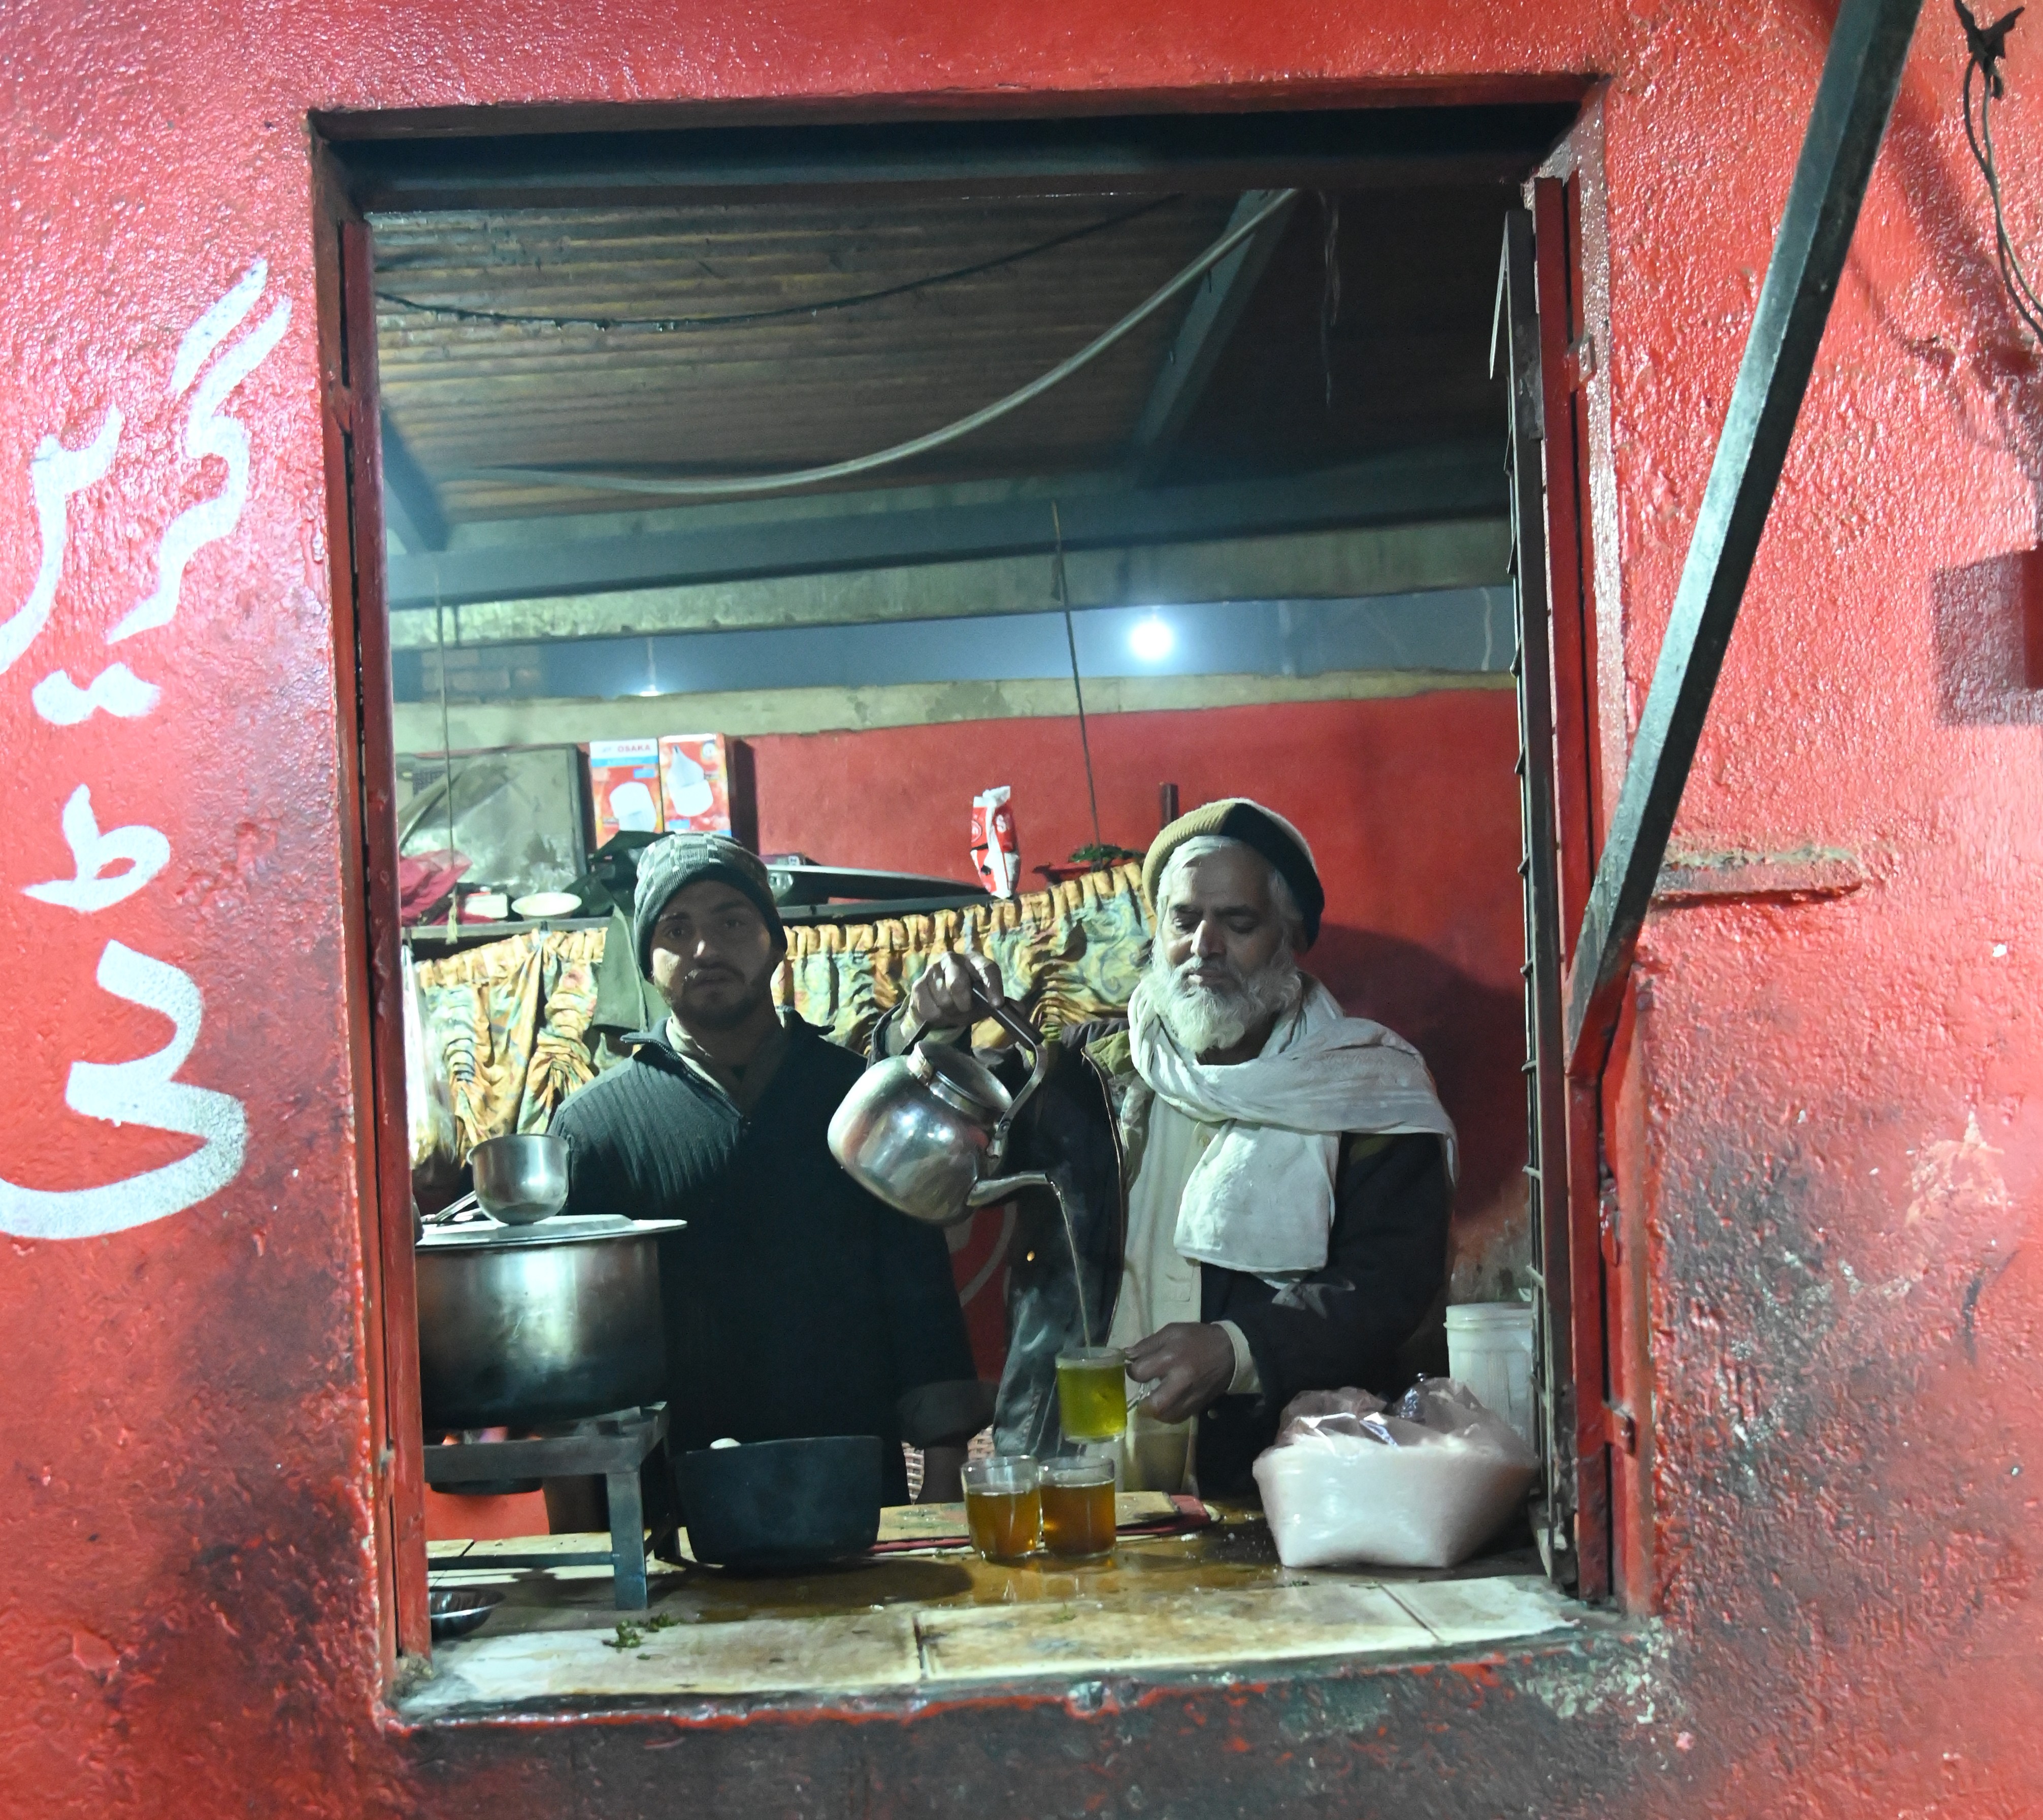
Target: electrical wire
{"points": [[1988, 45], [447, 759], [1071, 644], [740, 486], [739, 319], [1330, 291]]}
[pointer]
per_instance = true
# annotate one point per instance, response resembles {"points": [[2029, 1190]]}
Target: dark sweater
{"points": [[1345, 1323], [795, 1303]]}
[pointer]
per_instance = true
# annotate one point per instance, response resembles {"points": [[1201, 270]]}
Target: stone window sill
{"points": [[911, 1629]]}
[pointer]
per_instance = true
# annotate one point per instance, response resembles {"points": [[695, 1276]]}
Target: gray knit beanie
{"points": [[681, 860]]}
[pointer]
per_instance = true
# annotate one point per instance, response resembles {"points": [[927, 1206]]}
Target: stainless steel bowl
{"points": [[460, 1610], [521, 1179], [527, 1326]]}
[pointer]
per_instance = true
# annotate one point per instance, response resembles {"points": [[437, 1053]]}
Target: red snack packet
{"points": [[996, 855]]}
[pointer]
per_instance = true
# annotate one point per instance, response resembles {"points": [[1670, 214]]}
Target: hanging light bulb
{"points": [[1150, 640]]}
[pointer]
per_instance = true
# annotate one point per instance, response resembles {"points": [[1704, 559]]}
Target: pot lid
{"points": [[562, 1229]]}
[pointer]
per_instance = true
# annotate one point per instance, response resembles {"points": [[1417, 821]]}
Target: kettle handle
{"points": [[1026, 1033]]}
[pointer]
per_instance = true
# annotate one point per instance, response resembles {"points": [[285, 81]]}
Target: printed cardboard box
{"points": [[694, 783], [624, 786]]}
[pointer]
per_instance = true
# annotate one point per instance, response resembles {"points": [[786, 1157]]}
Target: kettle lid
{"points": [[955, 1074]]}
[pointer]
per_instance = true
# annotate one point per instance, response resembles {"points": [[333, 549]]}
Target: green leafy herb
{"points": [[1102, 853], [631, 1633]]}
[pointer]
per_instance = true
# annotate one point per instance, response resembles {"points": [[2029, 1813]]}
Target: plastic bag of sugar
{"points": [[1424, 1483]]}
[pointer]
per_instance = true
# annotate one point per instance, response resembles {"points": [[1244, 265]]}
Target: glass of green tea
{"points": [[1003, 1507], [1092, 1395], [1078, 1507]]}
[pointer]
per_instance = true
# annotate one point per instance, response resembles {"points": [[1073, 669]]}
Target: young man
{"points": [[795, 1303], [1272, 1217]]}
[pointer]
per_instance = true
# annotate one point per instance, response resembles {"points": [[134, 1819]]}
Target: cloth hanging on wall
{"points": [[1067, 955], [506, 1026], [509, 1029]]}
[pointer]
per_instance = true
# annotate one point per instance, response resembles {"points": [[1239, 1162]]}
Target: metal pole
{"points": [[1861, 75]]}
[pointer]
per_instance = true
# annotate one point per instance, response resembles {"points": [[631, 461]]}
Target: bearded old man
{"points": [[1260, 1183]]}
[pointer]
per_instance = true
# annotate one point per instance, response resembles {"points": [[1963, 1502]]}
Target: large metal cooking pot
{"points": [[926, 1131], [536, 1324]]}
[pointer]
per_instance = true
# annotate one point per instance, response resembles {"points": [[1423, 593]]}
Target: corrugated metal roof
{"points": [[789, 391], [1407, 350]]}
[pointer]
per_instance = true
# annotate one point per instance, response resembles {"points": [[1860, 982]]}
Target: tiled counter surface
{"points": [[930, 1623]]}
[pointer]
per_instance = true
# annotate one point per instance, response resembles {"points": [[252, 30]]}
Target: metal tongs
{"points": [[456, 1211]]}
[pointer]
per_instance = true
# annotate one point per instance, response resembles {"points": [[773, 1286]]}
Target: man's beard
{"points": [[694, 1015], [1203, 1017]]}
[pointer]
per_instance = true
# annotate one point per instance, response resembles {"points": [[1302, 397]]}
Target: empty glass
{"points": [[1003, 1507], [1153, 1453]]}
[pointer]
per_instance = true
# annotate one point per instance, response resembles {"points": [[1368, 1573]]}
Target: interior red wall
{"points": [[1832, 1160], [1410, 805]]}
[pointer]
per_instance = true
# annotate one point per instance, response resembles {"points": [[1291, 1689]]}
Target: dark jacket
{"points": [[795, 1303], [1343, 1325]]}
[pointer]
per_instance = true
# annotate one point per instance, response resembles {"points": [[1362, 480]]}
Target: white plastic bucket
{"points": [[1489, 1349]]}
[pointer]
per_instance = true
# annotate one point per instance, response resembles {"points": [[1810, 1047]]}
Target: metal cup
{"points": [[521, 1178]]}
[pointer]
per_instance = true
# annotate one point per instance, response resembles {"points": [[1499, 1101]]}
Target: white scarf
{"points": [[1261, 1199]]}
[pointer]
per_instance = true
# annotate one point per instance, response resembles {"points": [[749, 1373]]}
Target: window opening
{"points": [[1259, 545]]}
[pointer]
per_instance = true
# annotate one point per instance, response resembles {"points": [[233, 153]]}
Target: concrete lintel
{"points": [[754, 712], [1334, 565]]}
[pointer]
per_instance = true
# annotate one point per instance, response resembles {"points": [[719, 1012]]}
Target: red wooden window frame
{"points": [[373, 971], [1613, 1427]]}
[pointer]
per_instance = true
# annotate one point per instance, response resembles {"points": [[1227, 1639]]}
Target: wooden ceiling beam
{"points": [[531, 559], [1215, 310]]}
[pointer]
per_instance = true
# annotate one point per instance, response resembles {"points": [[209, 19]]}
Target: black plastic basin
{"points": [[767, 1506]]}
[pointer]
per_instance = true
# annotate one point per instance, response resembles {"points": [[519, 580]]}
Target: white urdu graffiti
{"points": [[113, 865], [116, 688], [55, 473], [146, 851], [140, 1092], [208, 432]]}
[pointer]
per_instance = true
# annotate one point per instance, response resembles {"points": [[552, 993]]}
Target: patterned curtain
{"points": [[1069, 953], [505, 1026]]}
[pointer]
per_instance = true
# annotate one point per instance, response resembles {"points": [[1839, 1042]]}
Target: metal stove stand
{"points": [[617, 1446]]}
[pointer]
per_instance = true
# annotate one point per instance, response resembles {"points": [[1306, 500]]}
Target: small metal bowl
{"points": [[521, 1178], [461, 1611]]}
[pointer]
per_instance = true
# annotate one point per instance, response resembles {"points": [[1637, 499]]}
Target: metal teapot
{"points": [[926, 1131]]}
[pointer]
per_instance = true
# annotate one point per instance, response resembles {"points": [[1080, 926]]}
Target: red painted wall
{"points": [[1826, 1175], [1411, 805]]}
